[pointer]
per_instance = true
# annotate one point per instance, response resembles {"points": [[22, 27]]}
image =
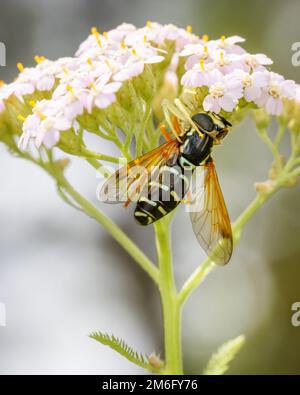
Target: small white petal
{"points": [[103, 101], [252, 92], [51, 138], [288, 88], [274, 106], [211, 104], [227, 103], [111, 87]]}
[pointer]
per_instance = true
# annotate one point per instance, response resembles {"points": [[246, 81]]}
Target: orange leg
{"points": [[126, 204], [164, 132], [176, 125]]}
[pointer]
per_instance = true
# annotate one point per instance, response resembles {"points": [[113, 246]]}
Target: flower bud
{"points": [[62, 163], [264, 188], [276, 168], [69, 142], [145, 84], [294, 120], [288, 110], [127, 96], [168, 91], [261, 118], [88, 121], [155, 362]]}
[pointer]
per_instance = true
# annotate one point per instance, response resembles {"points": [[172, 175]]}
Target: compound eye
{"points": [[218, 128], [204, 122]]}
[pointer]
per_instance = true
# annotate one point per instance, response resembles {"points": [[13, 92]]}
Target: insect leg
{"points": [[167, 109], [184, 111], [165, 132]]}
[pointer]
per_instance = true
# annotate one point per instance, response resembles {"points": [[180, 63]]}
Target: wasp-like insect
{"points": [[161, 179]]}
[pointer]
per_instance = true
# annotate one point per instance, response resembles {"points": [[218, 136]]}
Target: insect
{"points": [[162, 179]]}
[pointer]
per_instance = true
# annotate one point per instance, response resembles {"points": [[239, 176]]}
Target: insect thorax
{"points": [[195, 148]]}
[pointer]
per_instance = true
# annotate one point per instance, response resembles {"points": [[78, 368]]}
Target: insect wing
{"points": [[209, 216], [126, 184]]}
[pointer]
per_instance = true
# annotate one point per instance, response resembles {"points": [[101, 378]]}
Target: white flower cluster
{"points": [[231, 74], [91, 79], [60, 91]]}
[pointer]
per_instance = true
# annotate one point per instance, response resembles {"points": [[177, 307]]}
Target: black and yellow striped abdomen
{"points": [[161, 197]]}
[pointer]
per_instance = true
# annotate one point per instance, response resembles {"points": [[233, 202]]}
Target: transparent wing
{"points": [[126, 184], [209, 216]]}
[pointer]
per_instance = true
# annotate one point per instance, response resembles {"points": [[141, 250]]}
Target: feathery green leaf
{"points": [[219, 362], [119, 345]]}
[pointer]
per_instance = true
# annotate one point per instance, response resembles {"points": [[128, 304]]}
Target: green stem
{"points": [[294, 153], [153, 133], [296, 172], [170, 307], [139, 135], [207, 266], [280, 134], [269, 143], [94, 163], [248, 213], [103, 220], [195, 280], [87, 154]]}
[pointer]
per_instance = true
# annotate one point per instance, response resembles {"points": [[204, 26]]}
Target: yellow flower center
{"points": [[251, 62], [36, 110], [96, 34], [20, 67], [274, 90], [247, 81], [217, 90], [93, 87], [201, 64], [204, 55], [222, 61], [21, 118], [47, 124], [70, 89], [223, 43], [39, 59]]}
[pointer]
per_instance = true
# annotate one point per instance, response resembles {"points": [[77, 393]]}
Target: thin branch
{"points": [[109, 225], [207, 266]]}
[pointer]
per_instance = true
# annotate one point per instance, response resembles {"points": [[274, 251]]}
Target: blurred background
{"points": [[62, 277]]}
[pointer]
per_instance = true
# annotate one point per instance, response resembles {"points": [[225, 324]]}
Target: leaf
{"points": [[219, 362], [151, 362]]}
